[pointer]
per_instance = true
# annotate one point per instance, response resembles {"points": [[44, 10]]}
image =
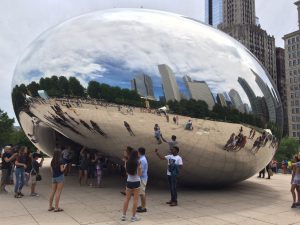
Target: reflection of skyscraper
{"points": [[199, 90], [270, 101], [170, 86], [142, 84], [221, 100], [257, 103], [246, 108], [236, 100]]}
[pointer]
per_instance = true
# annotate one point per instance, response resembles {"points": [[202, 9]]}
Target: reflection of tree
{"points": [[113, 94]]}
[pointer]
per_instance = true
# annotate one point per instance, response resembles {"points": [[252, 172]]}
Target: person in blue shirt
{"points": [[144, 179]]}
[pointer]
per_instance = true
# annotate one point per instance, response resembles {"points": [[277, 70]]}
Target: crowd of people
{"points": [[26, 165]]}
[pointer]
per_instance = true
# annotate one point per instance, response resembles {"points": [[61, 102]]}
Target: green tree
{"points": [[63, 85], [287, 149], [93, 89], [6, 128], [33, 88], [76, 89]]}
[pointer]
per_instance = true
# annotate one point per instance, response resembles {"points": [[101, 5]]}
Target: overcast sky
{"points": [[22, 21]]}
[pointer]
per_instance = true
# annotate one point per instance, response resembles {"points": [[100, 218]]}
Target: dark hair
{"points": [[173, 137], [176, 148], [129, 150], [132, 163], [56, 158], [142, 150]]}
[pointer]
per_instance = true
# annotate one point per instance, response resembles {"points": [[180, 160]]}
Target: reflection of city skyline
{"points": [[143, 85]]}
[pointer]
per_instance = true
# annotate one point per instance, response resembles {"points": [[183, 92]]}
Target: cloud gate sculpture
{"points": [[121, 77]]}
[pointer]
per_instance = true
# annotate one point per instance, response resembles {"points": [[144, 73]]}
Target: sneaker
{"points": [[141, 210], [169, 202], [139, 207], [34, 195], [135, 218], [21, 194], [294, 206], [123, 218], [18, 196]]}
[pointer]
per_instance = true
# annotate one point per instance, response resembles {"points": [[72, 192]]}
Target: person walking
{"points": [[7, 158], [134, 171], [174, 164], [21, 165], [295, 183], [57, 170], [144, 179]]}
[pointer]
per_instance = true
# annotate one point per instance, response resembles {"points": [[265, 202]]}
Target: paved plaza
{"points": [[255, 201]]}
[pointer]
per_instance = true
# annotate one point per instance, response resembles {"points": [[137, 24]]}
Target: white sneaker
{"points": [[123, 218], [135, 218]]}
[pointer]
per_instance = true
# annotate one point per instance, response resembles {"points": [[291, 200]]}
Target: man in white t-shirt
{"points": [[174, 164]]}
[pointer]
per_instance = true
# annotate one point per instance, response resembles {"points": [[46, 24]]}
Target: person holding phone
{"points": [[57, 168]]}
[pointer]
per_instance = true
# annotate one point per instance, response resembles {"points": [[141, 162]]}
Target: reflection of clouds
{"points": [[112, 46]]}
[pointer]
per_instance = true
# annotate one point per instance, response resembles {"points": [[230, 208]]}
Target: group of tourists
{"points": [[26, 166]]}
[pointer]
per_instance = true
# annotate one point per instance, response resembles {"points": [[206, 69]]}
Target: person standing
{"points": [[174, 164], [21, 165], [134, 171], [294, 185], [144, 179], [7, 157], [35, 172], [57, 170]]}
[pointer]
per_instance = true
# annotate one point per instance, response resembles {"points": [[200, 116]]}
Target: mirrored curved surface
{"points": [[105, 79]]}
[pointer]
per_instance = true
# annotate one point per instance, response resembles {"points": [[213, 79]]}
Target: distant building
{"points": [[169, 83], [43, 94], [236, 100], [199, 90], [214, 12], [221, 100], [269, 98], [142, 84], [240, 22], [247, 108], [292, 71], [258, 104], [281, 86]]}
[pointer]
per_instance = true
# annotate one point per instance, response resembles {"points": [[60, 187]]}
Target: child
{"points": [[34, 172]]}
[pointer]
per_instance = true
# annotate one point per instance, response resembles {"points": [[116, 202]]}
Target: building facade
{"points": [[240, 22], [214, 12], [281, 86], [292, 74], [236, 100], [142, 84], [199, 90], [170, 87]]}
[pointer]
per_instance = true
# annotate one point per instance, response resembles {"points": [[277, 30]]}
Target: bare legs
{"points": [[135, 200], [55, 191], [83, 174]]}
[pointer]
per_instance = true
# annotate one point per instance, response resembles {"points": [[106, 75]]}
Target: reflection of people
{"points": [[128, 128], [171, 143], [189, 125], [157, 133], [174, 164]]}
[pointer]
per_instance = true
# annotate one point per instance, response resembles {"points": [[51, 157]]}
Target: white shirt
{"points": [[176, 159]]}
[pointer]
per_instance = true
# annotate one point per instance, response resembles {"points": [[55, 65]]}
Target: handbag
{"points": [[38, 176]]}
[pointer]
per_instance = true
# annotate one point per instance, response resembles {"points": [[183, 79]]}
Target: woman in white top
{"points": [[134, 171]]}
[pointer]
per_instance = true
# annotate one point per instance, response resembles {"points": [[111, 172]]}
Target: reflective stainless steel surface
{"points": [[104, 79]]}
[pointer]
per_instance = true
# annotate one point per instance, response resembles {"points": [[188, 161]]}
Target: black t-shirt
{"points": [[56, 170], [22, 159], [6, 165], [35, 168]]}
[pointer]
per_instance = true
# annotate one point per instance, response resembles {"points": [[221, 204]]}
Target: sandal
{"points": [[58, 210], [51, 209]]}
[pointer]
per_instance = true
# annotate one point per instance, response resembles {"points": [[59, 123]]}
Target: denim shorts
{"points": [[59, 179], [133, 185]]}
